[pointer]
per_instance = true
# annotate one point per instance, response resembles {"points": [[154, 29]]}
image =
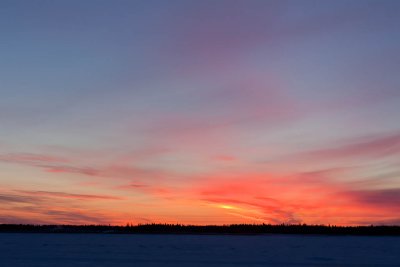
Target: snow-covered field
{"points": [[71, 250]]}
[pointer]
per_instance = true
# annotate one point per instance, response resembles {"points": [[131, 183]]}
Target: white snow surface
{"points": [[59, 250]]}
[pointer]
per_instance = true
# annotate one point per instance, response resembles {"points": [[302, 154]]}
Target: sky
{"points": [[200, 112]]}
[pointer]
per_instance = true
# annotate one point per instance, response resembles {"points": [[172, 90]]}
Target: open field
{"points": [[23, 249]]}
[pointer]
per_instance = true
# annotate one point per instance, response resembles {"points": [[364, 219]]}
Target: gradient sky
{"points": [[200, 112]]}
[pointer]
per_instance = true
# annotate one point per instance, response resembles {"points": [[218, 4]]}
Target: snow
{"points": [[31, 250]]}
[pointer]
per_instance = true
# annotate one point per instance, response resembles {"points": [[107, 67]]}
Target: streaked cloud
{"points": [[69, 195]]}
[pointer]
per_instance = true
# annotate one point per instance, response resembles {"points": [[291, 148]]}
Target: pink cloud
{"points": [[71, 169], [221, 114], [382, 198], [31, 158], [310, 197], [121, 168], [226, 158], [377, 146], [47, 207], [210, 40], [68, 195]]}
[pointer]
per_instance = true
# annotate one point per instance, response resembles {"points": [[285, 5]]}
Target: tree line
{"points": [[246, 229]]}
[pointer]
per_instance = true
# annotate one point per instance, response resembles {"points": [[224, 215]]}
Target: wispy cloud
{"points": [[383, 198], [68, 195], [377, 146], [323, 197], [13, 198], [52, 207], [71, 169], [53, 164], [31, 158]]}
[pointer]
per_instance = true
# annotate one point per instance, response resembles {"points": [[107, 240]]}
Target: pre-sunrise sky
{"points": [[200, 112]]}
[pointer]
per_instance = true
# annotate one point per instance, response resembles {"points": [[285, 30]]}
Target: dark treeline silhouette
{"points": [[206, 229]]}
